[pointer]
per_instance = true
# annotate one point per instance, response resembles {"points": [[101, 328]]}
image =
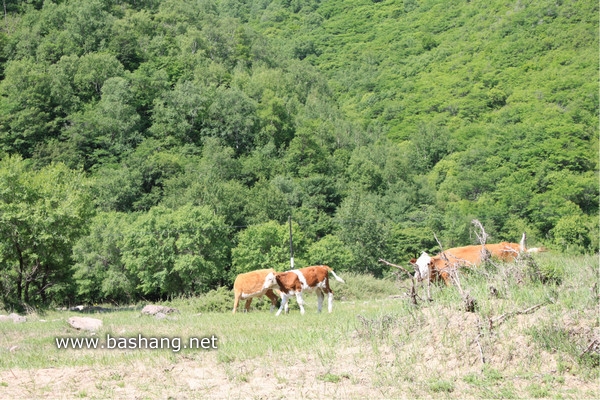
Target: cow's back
{"points": [[463, 255], [253, 279], [315, 274]]}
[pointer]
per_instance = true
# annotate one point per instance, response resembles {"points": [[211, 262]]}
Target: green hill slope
{"points": [[190, 131]]}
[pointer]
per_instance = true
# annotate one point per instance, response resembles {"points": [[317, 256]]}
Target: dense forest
{"points": [[151, 149]]}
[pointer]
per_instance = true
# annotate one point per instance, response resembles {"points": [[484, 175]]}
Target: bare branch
{"points": [[483, 236], [485, 254], [412, 292], [594, 346], [397, 266], [500, 319], [441, 248], [479, 334]]}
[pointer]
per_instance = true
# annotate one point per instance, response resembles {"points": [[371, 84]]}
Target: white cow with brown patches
{"points": [[253, 284], [309, 279]]}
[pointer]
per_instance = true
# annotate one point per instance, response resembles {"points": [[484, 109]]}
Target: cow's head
{"points": [[271, 281], [421, 265]]}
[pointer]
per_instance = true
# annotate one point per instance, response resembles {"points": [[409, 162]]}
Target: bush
{"points": [[217, 300], [362, 286]]}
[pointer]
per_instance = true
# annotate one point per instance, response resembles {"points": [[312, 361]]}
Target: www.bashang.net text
{"points": [[139, 342]]}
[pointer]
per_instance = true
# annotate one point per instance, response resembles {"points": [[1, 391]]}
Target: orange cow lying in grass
{"points": [[441, 265]]}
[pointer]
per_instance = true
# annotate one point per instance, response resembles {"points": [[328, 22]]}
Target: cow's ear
{"points": [[413, 261]]}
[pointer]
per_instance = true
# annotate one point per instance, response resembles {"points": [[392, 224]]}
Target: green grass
{"points": [[371, 343]]}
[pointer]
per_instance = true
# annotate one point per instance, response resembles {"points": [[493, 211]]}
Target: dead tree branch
{"points": [[479, 334], [493, 322], [482, 237], [594, 346], [412, 291]]}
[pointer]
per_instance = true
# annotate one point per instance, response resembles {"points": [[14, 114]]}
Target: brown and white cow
{"points": [[253, 284], [298, 281], [440, 266]]}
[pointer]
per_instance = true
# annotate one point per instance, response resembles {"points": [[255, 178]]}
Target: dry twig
{"points": [[594, 346], [412, 292], [500, 319], [479, 334]]}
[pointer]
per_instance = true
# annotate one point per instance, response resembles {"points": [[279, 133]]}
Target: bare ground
{"points": [[451, 348]]}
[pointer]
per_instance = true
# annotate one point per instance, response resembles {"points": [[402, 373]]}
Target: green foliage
{"points": [[331, 251], [42, 215], [438, 386], [572, 234], [362, 286], [375, 124], [267, 246], [173, 252], [99, 270], [363, 231], [554, 338], [217, 300]]}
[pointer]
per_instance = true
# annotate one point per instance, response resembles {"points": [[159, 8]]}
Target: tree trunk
{"points": [[44, 285], [20, 272], [26, 292]]}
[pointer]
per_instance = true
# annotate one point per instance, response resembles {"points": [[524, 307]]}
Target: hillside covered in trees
{"points": [[151, 149]]}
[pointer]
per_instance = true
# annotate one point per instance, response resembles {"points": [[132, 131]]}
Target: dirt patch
{"points": [[303, 377], [435, 352]]}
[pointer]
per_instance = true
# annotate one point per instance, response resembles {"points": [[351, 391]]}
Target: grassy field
{"points": [[534, 334]]}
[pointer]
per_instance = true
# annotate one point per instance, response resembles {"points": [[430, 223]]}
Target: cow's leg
{"points": [[300, 301], [330, 302], [446, 277], [284, 300], [320, 297], [248, 304], [269, 293], [236, 301]]}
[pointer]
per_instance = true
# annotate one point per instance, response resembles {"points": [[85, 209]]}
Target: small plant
{"points": [[329, 377], [441, 386], [551, 273], [537, 391], [552, 338], [492, 374], [376, 327]]}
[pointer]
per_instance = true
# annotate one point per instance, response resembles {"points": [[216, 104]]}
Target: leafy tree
{"points": [[180, 113], [43, 213], [305, 156], [330, 250], [26, 107], [267, 202], [93, 70], [117, 188], [99, 271], [103, 133], [267, 246], [231, 116], [363, 230], [572, 234], [173, 252]]}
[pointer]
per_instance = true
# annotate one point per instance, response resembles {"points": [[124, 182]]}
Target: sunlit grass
{"points": [[380, 341]]}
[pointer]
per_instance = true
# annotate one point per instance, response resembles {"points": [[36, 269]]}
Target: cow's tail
{"points": [[337, 278]]}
